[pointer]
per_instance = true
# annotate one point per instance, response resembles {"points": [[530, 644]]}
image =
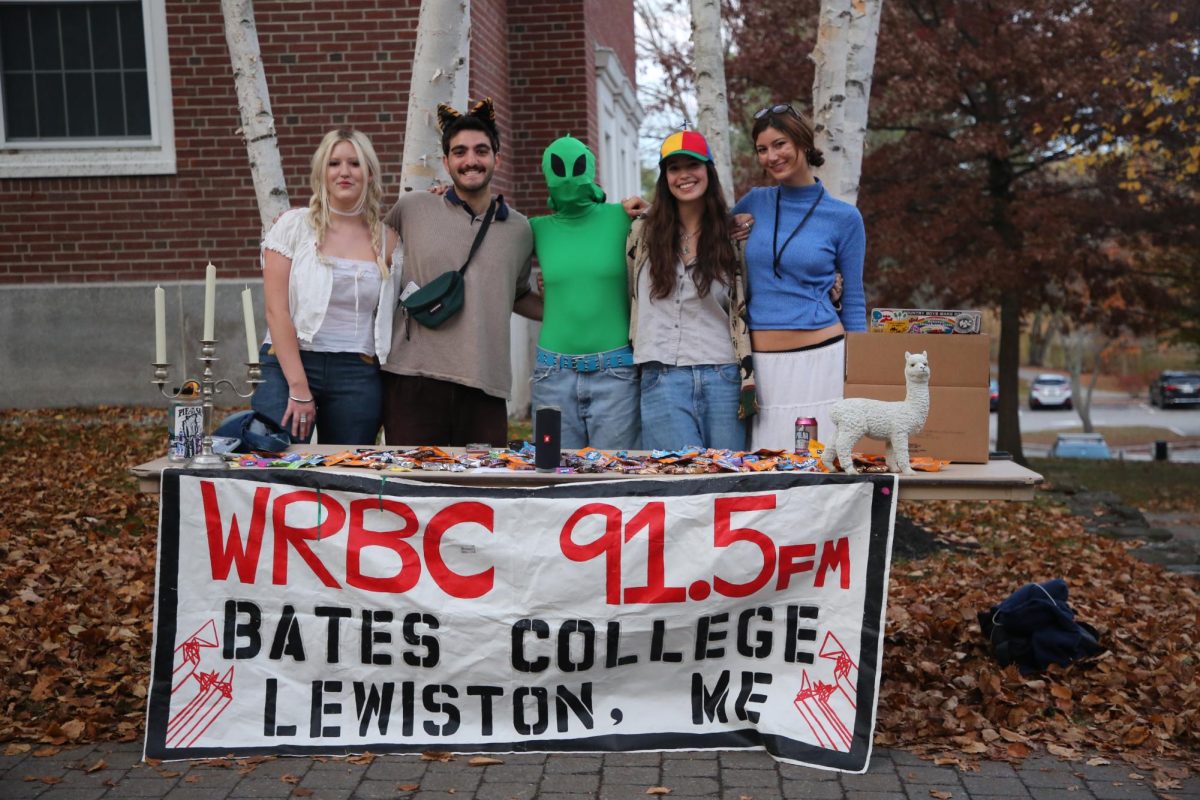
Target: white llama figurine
{"points": [[856, 417]]}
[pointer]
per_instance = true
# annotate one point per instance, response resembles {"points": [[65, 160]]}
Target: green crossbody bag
{"points": [[440, 299]]}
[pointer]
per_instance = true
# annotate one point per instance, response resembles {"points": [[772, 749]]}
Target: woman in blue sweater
{"points": [[801, 241]]}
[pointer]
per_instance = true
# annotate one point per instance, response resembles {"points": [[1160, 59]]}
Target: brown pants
{"points": [[427, 411]]}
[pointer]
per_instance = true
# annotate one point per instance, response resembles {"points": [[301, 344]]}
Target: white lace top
{"points": [[349, 324], [311, 285]]}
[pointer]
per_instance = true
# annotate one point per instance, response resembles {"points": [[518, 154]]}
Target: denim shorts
{"points": [[599, 408], [345, 387]]}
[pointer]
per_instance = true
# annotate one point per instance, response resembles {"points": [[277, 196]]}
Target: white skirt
{"points": [[803, 383]]}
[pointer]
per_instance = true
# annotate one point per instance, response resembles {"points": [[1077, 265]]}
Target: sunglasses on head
{"points": [[781, 108]]}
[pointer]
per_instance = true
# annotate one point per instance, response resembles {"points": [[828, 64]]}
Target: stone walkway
{"points": [[112, 772], [1180, 552], [1172, 539]]}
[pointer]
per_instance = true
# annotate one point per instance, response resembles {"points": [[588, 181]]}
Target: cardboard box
{"points": [[957, 425], [877, 358]]}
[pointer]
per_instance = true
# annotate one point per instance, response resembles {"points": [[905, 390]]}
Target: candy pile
{"points": [[688, 461]]}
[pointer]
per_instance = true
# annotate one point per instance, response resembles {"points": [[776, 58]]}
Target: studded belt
{"points": [[589, 362]]}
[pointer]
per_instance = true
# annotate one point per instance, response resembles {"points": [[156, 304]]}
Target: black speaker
{"points": [[547, 434]]}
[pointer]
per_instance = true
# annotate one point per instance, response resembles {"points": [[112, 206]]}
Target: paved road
{"points": [[1182, 421], [1112, 409], [894, 775]]}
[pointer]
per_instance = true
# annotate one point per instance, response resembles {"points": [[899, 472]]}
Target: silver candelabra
{"points": [[209, 388]]}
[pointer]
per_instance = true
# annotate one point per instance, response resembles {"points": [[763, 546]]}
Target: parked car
{"points": [[993, 394], [1080, 445], [1050, 391], [1175, 388]]}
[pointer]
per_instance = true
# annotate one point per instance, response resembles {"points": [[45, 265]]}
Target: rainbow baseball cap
{"points": [[688, 143]]}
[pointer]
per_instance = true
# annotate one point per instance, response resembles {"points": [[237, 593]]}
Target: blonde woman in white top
{"points": [[329, 297]]}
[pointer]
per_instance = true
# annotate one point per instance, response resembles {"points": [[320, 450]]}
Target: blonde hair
{"points": [[372, 194]]}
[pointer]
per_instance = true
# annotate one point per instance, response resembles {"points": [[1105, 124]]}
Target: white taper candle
{"points": [[210, 301], [160, 325], [251, 336]]}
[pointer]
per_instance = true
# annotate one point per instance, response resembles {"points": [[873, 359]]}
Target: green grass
{"points": [[520, 429], [1158, 485]]}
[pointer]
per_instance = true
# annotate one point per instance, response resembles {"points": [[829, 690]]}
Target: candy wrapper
{"points": [[589, 460]]}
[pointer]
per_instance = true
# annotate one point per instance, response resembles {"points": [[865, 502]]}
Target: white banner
{"points": [[306, 613]]}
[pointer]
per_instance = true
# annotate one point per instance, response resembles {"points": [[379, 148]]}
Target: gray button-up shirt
{"points": [[683, 329]]}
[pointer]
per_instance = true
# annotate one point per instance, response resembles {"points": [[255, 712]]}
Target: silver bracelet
{"points": [[299, 400]]}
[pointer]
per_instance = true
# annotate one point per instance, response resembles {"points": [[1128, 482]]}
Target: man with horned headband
{"points": [[448, 384]]}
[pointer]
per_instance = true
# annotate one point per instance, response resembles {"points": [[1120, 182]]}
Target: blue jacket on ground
{"points": [[1035, 628]]}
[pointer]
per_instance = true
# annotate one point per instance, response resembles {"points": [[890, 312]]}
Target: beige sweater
{"points": [[472, 348]]}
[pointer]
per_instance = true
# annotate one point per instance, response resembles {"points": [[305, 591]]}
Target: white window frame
{"points": [[69, 158], [620, 117]]}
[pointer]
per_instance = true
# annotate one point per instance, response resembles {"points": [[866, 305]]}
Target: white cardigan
{"points": [[310, 282]]}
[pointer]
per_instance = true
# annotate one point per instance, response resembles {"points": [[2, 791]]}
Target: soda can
{"points": [[806, 432]]}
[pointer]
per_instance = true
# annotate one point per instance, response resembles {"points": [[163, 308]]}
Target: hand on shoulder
{"points": [[740, 229], [635, 206]]}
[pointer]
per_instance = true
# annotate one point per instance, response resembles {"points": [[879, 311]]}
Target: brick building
{"points": [[121, 165]]}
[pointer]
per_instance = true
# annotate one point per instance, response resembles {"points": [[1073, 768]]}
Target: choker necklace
{"points": [[333, 210]]}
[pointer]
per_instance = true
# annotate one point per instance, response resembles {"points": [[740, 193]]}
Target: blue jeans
{"points": [[598, 408], [345, 387], [684, 406]]}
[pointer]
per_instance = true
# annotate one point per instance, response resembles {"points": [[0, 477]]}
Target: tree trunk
{"points": [[845, 59], [1008, 424], [441, 62], [1075, 369], [254, 106], [1039, 335], [1091, 388], [709, 63], [1081, 347]]}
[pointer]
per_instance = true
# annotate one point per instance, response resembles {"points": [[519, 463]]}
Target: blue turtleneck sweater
{"points": [[832, 239]]}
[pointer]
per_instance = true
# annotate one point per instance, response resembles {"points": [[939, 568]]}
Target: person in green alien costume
{"points": [[585, 365]]}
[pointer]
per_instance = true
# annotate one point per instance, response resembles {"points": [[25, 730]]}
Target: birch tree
{"points": [[711, 99], [845, 59], [254, 106], [1083, 348], [440, 68]]}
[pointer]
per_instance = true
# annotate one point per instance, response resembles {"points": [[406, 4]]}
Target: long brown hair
{"points": [[715, 256]]}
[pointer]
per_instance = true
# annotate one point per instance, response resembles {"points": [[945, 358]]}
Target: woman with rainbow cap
{"points": [[688, 308]]}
